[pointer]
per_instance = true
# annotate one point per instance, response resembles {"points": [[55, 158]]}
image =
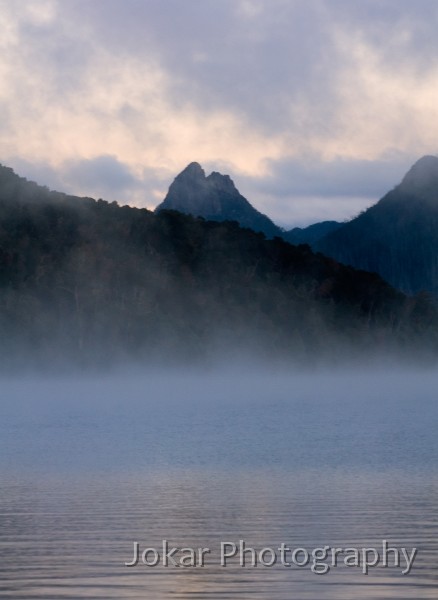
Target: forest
{"points": [[88, 282]]}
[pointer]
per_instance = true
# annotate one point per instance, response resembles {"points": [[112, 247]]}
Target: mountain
{"points": [[311, 234], [215, 198], [88, 282], [398, 236]]}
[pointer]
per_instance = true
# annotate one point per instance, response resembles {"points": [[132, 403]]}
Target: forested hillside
{"points": [[91, 282], [398, 236]]}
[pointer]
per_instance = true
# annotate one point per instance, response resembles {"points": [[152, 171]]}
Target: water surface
{"points": [[308, 459]]}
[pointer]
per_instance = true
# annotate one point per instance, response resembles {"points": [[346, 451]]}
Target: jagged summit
{"points": [[192, 171], [214, 197], [194, 174], [222, 182]]}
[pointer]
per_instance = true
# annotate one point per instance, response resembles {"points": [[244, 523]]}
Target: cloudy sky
{"points": [[315, 108]]}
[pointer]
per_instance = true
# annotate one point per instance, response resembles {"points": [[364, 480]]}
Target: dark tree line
{"points": [[92, 282]]}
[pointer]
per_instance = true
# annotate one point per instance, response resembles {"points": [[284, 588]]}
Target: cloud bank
{"points": [[313, 108]]}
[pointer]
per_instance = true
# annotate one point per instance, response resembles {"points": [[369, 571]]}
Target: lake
{"points": [[308, 459]]}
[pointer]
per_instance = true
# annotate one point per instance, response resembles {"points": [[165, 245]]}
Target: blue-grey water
{"points": [[341, 459]]}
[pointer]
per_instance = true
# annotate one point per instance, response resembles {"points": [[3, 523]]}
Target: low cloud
{"points": [[103, 174], [339, 177], [300, 192], [292, 192], [101, 177]]}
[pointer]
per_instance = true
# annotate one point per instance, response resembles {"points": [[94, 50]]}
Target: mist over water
{"points": [[89, 464], [189, 417]]}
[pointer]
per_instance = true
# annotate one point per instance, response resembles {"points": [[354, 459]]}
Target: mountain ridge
{"points": [[398, 236], [87, 281], [214, 197]]}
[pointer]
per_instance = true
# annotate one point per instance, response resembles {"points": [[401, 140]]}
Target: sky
{"points": [[315, 108]]}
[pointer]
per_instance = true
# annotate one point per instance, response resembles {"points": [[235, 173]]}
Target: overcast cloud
{"points": [[314, 108]]}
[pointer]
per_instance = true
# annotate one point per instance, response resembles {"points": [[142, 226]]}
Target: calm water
{"points": [[89, 467]]}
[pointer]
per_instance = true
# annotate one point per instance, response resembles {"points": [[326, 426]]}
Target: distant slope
{"points": [[215, 198], [92, 282], [397, 237], [311, 234]]}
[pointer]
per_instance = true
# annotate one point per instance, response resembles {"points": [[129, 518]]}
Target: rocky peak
{"points": [[214, 197], [193, 171], [222, 182]]}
